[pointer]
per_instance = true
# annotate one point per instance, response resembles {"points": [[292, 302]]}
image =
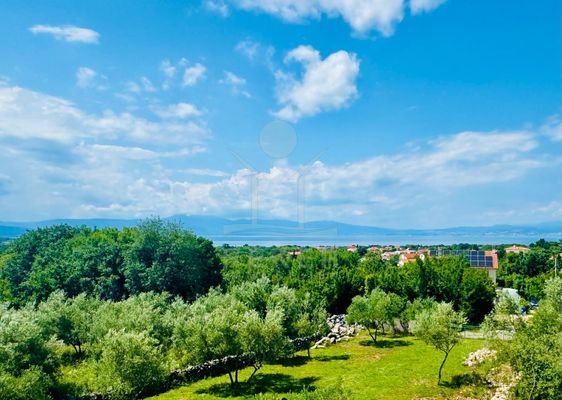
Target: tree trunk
{"points": [[371, 335], [231, 380], [441, 367], [308, 351], [236, 376], [256, 367]]}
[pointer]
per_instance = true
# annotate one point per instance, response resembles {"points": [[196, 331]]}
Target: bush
{"points": [[130, 366], [32, 384]]}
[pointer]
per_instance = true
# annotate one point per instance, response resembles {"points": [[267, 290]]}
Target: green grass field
{"points": [[398, 368]]}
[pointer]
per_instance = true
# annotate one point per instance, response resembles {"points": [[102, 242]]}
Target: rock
{"points": [[339, 331], [479, 356]]}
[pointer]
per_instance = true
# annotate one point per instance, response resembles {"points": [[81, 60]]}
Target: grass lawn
{"points": [[397, 368]]}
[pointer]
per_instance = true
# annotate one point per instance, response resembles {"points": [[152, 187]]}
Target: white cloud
{"points": [[26, 114], [217, 6], [236, 83], [192, 75], [109, 151], [256, 52], [85, 77], [142, 85], [60, 159], [326, 84], [67, 33], [206, 172], [553, 128], [179, 110], [233, 79], [89, 78], [167, 69], [249, 48], [147, 84], [421, 6], [362, 15]]}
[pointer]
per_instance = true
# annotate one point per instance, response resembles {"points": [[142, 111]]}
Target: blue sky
{"points": [[418, 113]]}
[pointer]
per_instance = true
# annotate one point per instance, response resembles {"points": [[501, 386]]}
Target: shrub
{"points": [[130, 365]]}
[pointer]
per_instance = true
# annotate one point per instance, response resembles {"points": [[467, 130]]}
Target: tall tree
{"points": [[440, 327]]}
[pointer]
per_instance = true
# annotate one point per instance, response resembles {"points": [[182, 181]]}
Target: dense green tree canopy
{"points": [[107, 263]]}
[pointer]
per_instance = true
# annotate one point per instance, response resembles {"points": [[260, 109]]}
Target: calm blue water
{"points": [[384, 240]]}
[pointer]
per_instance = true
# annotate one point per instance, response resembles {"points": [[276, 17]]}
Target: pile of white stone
{"points": [[479, 356], [502, 379], [339, 330]]}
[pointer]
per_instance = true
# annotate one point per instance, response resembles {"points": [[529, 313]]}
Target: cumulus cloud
{"points": [[89, 78], [63, 161], [217, 6], [85, 77], [192, 75], [142, 85], [168, 69], [552, 128], [326, 84], [256, 51], [62, 158], [67, 33], [179, 110], [236, 83], [362, 15], [421, 6], [26, 114]]}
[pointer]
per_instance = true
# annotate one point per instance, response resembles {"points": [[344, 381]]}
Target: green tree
{"points": [[130, 365], [28, 362], [440, 327], [535, 349], [32, 270], [477, 294], [164, 257], [394, 309], [311, 320], [263, 337], [210, 330], [411, 311], [369, 311], [70, 320]]}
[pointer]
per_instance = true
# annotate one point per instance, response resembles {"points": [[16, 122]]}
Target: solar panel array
{"points": [[476, 258], [479, 259]]}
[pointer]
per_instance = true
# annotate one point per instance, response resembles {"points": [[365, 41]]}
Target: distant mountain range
{"points": [[240, 231]]}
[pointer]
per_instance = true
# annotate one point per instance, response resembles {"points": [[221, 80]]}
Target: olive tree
{"points": [[209, 331], [130, 365], [27, 360], [70, 320], [370, 311], [263, 337], [439, 327], [535, 348], [311, 321]]}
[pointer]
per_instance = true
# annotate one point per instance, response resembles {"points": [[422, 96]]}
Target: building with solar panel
{"points": [[486, 260]]}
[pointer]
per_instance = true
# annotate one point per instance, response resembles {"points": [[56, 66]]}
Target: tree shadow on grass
{"points": [[471, 379], [261, 383], [340, 357], [386, 344], [295, 361]]}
